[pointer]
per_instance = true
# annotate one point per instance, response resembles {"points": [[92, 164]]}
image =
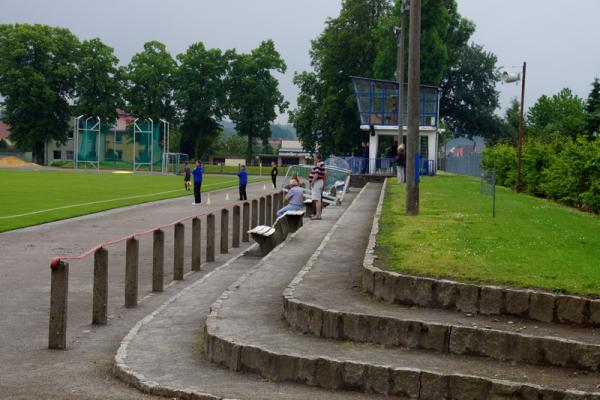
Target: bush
{"points": [[503, 156], [535, 158], [566, 170]]}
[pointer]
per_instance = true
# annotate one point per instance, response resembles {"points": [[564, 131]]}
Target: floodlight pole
{"points": [[521, 130], [414, 82]]}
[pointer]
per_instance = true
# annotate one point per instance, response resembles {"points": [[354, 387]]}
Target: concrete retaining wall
{"points": [[484, 299]]}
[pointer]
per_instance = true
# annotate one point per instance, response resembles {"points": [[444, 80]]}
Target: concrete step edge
{"points": [[338, 374], [331, 323]]}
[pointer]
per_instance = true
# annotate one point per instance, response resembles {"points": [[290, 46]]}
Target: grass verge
{"points": [[36, 197], [531, 243]]}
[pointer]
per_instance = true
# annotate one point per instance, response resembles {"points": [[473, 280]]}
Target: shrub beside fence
{"points": [[565, 170]]}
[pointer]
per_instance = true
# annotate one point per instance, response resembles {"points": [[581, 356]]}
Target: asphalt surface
{"points": [[28, 370]]}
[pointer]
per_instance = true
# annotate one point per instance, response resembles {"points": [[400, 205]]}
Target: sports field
{"points": [[35, 197], [532, 242]]}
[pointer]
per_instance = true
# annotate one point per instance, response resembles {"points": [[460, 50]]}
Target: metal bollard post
{"points": [[100, 293], [261, 213], [269, 210], [131, 272], [235, 235], [210, 237], [59, 292], [254, 213], [158, 261], [196, 243], [224, 231], [178, 247], [245, 222]]}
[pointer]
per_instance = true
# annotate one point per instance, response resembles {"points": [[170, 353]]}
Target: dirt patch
{"points": [[12, 161]]}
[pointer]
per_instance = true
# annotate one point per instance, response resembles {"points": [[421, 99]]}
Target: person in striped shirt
{"points": [[317, 182]]}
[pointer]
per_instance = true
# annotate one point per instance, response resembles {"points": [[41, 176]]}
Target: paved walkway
{"points": [[249, 317], [27, 369], [175, 335]]}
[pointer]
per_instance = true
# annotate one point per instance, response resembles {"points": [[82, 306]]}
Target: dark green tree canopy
{"points": [[326, 113], [200, 96], [469, 97], [592, 107], [253, 92], [149, 81], [37, 81], [562, 114], [99, 90]]}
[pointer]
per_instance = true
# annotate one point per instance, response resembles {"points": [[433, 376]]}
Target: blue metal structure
{"points": [[377, 102]]}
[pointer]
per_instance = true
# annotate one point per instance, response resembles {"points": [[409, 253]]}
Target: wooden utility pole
{"points": [[414, 83], [400, 73], [521, 130]]}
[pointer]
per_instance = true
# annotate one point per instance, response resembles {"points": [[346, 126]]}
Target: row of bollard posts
{"points": [[261, 211]]}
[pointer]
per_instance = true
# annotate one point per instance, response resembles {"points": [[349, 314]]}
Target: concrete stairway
{"points": [[343, 339]]}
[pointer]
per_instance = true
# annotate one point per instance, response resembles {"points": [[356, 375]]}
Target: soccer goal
{"points": [[173, 163]]}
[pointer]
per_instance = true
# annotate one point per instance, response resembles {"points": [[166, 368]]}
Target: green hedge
{"points": [[565, 170]]}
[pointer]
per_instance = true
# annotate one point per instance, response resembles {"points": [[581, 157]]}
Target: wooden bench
{"points": [[269, 237], [294, 219]]}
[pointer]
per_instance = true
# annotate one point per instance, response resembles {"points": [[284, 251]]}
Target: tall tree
{"points": [[326, 115], [97, 84], [37, 81], [253, 92], [469, 97], [149, 81], [592, 107], [200, 97], [438, 24], [562, 114]]}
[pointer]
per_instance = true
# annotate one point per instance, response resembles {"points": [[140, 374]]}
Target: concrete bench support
{"points": [[59, 291], [310, 207], [100, 296], [196, 244], [179, 243], [294, 219], [210, 238], [265, 237], [269, 237], [158, 261], [131, 272]]}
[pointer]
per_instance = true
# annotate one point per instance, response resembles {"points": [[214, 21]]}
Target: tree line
{"points": [[361, 42], [47, 75]]}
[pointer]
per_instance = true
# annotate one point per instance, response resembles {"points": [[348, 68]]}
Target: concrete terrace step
{"points": [[162, 354], [246, 333], [325, 300]]}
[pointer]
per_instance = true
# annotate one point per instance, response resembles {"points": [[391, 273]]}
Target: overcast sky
{"points": [[558, 39]]}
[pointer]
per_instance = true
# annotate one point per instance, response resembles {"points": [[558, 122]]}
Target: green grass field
{"points": [[209, 169], [36, 197], [531, 243]]}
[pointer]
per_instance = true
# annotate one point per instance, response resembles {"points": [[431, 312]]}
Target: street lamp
{"points": [[510, 78]]}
